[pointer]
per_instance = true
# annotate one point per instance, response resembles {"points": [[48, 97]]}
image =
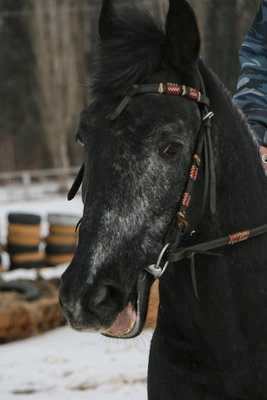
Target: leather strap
{"points": [[162, 88], [202, 248], [76, 184]]}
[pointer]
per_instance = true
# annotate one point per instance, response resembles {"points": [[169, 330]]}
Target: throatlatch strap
{"points": [[76, 184]]}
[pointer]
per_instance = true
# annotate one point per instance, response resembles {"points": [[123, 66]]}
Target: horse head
{"points": [[138, 149], [135, 166]]}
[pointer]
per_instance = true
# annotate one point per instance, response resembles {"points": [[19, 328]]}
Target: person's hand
{"points": [[263, 151]]}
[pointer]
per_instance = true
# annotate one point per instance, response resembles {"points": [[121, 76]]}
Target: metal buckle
{"points": [[208, 116], [155, 269]]}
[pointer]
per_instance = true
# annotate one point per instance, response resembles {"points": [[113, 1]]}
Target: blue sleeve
{"points": [[251, 95]]}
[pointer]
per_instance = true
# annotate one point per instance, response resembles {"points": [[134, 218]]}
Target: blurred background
{"points": [[47, 49]]}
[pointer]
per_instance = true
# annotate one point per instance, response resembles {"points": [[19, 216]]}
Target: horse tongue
{"points": [[124, 323]]}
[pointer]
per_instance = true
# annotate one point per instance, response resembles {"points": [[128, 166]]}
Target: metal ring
{"points": [[162, 254], [208, 116], [155, 269], [264, 158]]}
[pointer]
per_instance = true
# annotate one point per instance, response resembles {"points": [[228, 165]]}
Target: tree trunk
{"points": [[221, 38], [22, 146], [223, 25], [55, 33]]}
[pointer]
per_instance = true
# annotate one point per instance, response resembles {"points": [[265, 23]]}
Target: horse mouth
{"points": [[125, 322], [131, 320]]}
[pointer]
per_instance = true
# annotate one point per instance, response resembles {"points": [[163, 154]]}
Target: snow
{"points": [[64, 364], [34, 273]]}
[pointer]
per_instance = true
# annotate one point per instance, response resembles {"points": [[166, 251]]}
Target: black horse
{"points": [[211, 336]]}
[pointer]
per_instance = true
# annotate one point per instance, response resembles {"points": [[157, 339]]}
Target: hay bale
{"points": [[20, 319]]}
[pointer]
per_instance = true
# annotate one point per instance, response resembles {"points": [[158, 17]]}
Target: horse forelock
{"points": [[131, 55]]}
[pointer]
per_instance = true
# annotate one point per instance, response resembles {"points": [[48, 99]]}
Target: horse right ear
{"points": [[105, 24], [183, 38]]}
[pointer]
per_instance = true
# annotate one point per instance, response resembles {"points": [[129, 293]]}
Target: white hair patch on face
{"points": [[125, 218]]}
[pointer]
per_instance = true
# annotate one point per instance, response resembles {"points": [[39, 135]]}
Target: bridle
{"points": [[203, 150]]}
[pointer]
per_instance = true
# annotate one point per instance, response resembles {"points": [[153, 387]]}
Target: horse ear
{"points": [[183, 38], [105, 25]]}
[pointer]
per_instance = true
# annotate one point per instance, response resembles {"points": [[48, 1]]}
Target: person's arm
{"points": [[251, 94]]}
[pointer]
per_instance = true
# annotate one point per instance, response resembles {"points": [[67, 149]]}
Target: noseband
{"points": [[204, 149]]}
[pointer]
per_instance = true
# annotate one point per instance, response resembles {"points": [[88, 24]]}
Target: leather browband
{"points": [[162, 88]]}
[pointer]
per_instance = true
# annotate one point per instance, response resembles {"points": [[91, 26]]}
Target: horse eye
{"points": [[80, 142], [170, 149]]}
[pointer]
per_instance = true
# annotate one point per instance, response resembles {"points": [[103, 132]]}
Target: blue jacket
{"points": [[251, 95]]}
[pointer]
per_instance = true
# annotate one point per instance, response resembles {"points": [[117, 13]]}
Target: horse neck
{"points": [[241, 182]]}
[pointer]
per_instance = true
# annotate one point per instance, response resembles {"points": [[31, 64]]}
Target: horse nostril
{"points": [[100, 296], [104, 298]]}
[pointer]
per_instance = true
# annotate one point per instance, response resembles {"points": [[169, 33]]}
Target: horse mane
{"points": [[131, 55], [218, 88]]}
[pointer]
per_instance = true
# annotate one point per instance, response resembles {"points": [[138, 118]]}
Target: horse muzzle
{"points": [[105, 307]]}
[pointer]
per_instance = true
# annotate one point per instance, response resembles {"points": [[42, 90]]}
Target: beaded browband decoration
{"points": [[161, 88]]}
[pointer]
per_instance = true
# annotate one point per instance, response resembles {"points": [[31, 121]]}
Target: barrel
{"points": [[61, 241], [23, 241]]}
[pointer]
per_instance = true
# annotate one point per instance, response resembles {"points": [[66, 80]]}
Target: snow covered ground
{"points": [[63, 364]]}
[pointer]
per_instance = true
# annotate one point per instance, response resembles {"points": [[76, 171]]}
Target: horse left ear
{"points": [[183, 38], [105, 23]]}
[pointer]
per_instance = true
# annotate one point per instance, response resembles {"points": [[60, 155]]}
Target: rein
{"points": [[204, 148], [202, 248]]}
